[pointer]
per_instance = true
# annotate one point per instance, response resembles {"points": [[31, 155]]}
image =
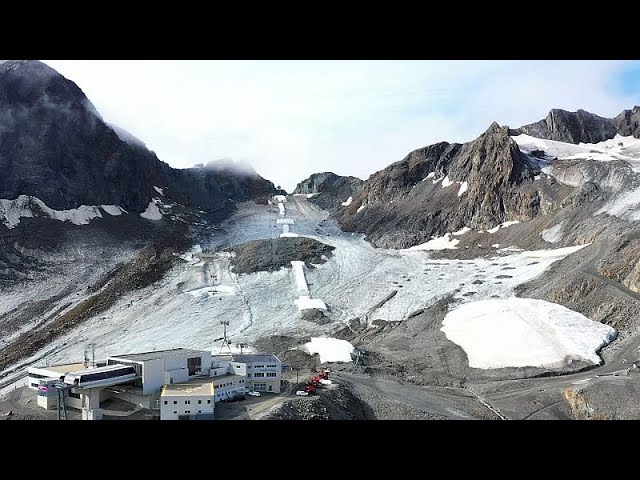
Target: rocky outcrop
{"points": [[583, 127], [55, 146], [330, 190], [270, 255], [442, 188], [572, 127], [628, 122]]}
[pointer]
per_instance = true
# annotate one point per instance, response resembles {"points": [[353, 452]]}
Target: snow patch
{"points": [[159, 190], [329, 349], [495, 245], [281, 210], [553, 234], [285, 221], [304, 302], [446, 182], [440, 243], [464, 186], [431, 175], [152, 212], [298, 276], [348, 202], [289, 235], [502, 225], [523, 332], [11, 211], [113, 210], [360, 208], [280, 198], [462, 231], [626, 206]]}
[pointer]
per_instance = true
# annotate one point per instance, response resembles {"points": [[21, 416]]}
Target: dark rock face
{"points": [[628, 122], [332, 189], [583, 127], [55, 146], [402, 207], [271, 255]]}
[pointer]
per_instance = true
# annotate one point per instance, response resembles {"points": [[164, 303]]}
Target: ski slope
{"points": [[185, 308]]}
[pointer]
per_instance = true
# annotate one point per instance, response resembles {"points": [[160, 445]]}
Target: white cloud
{"points": [[292, 118]]}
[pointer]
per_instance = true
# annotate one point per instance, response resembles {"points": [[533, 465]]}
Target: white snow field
{"points": [[329, 349], [11, 211], [347, 202], [617, 148], [184, 309], [523, 332]]}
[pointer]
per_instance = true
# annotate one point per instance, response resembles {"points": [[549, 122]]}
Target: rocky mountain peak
{"points": [[55, 146]]}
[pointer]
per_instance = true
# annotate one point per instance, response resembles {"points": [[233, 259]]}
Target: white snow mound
{"points": [[439, 243], [330, 349], [152, 212], [523, 332]]}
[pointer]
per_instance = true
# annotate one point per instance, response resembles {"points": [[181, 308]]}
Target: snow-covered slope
{"points": [[619, 152], [186, 306], [617, 148], [522, 332]]}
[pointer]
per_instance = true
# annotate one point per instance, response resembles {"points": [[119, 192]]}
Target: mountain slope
{"points": [[328, 190], [443, 188], [56, 147], [582, 126]]}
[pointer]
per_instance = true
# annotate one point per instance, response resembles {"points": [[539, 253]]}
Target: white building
{"points": [[187, 401], [165, 366], [139, 378], [263, 372]]}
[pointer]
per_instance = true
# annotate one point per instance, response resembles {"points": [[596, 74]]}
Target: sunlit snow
{"points": [[330, 349], [523, 332]]}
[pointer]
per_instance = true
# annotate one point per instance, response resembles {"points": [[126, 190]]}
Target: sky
{"points": [[292, 118]]}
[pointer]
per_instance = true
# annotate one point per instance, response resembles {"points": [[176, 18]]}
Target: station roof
{"points": [[188, 389], [144, 356], [254, 358]]}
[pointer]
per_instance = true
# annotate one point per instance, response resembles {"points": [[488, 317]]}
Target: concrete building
{"points": [[263, 372], [165, 366], [144, 378], [187, 401]]}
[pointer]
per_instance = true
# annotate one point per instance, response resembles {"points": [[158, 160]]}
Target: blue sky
{"points": [[292, 118]]}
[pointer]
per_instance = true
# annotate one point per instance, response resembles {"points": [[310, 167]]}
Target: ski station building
{"points": [[178, 383]]}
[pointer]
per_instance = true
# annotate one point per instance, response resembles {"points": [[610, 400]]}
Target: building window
{"points": [[270, 374], [187, 402], [175, 402], [258, 375], [165, 402], [187, 411], [199, 402], [199, 411], [258, 366], [209, 401], [175, 413]]}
